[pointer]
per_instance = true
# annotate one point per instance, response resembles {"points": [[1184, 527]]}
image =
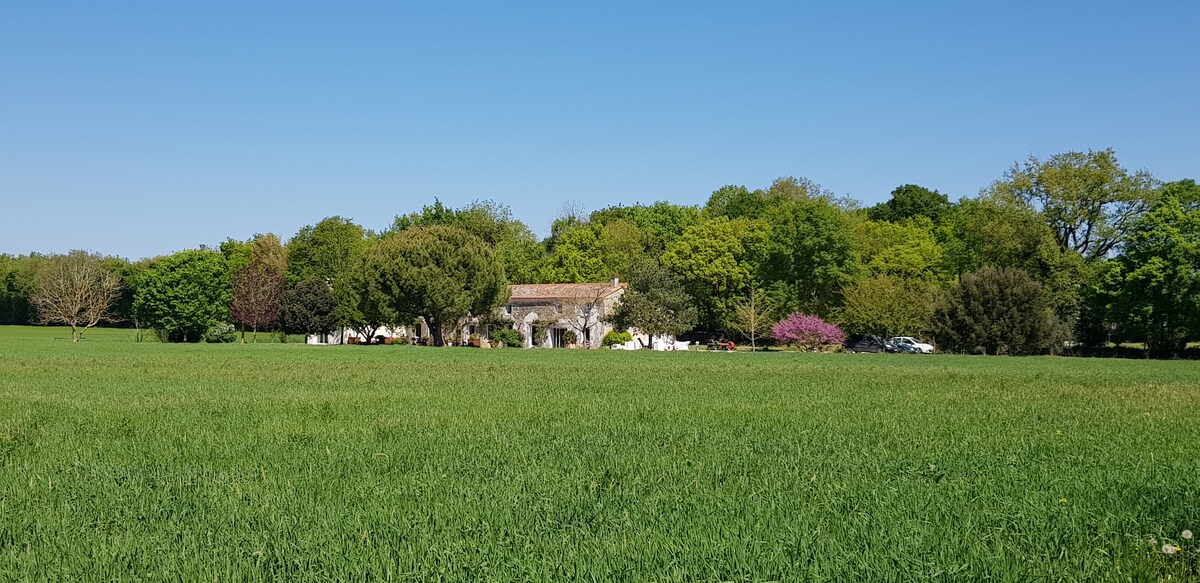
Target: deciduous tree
{"points": [[811, 254], [310, 308], [910, 201], [807, 332], [752, 316], [1158, 301], [257, 298], [717, 259], [75, 289], [888, 306], [438, 273], [323, 250], [182, 295], [655, 303], [1087, 198]]}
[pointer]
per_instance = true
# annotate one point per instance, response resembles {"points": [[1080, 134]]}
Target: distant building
{"points": [[544, 312]]}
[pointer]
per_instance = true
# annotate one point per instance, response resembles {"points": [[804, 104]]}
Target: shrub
{"points": [[508, 337], [996, 311], [570, 337], [221, 334], [614, 337], [807, 332]]}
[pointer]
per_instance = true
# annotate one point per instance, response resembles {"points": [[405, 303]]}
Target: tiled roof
{"points": [[541, 291]]}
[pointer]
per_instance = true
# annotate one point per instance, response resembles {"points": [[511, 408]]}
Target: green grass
{"points": [[146, 461]]}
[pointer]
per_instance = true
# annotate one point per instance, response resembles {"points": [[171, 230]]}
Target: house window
{"points": [[508, 310]]}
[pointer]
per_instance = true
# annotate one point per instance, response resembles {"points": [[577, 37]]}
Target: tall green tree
{"points": [[582, 252], [1159, 295], [513, 243], [717, 259], [811, 256], [329, 251], [910, 201], [364, 302], [16, 286], [439, 273], [323, 250], [654, 303], [888, 306], [1087, 198], [183, 295], [907, 249], [1000, 231], [268, 251], [310, 308], [659, 224], [735, 201]]}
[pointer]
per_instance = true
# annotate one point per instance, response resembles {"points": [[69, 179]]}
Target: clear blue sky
{"points": [[139, 129]]}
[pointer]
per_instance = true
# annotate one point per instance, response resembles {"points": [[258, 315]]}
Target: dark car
{"points": [[866, 343]]}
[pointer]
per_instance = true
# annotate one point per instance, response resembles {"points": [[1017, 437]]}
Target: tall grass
{"points": [[126, 461]]}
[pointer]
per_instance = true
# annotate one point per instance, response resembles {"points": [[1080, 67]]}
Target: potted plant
{"points": [[570, 338]]}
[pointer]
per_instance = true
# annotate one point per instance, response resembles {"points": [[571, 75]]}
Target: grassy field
{"points": [[146, 461]]}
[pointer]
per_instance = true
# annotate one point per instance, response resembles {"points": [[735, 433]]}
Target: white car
{"points": [[919, 346]]}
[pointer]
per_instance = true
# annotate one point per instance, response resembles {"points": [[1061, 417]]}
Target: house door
{"points": [[556, 337]]}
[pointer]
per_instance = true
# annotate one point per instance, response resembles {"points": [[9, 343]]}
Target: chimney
{"points": [[615, 281]]}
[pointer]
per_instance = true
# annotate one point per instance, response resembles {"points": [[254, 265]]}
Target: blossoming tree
{"points": [[807, 332]]}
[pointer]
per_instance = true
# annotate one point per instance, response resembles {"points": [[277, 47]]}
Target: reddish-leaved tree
{"points": [[257, 297]]}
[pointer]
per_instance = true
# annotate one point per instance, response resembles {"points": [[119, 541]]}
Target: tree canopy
{"points": [[654, 303], [439, 273], [183, 295]]}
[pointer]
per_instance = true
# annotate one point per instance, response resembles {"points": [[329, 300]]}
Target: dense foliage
{"points": [[439, 273], [1113, 251], [310, 307], [507, 337], [183, 295], [996, 311], [655, 303]]}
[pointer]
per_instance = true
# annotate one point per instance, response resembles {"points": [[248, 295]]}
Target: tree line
{"points": [[1068, 252]]}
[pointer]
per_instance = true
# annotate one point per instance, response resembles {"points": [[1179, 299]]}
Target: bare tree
{"points": [[257, 297], [582, 311], [77, 290], [572, 210], [751, 318]]}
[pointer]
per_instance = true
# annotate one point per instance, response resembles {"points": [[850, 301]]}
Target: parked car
{"points": [[911, 344], [866, 343]]}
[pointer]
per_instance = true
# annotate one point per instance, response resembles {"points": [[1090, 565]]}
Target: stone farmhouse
{"points": [[543, 313]]}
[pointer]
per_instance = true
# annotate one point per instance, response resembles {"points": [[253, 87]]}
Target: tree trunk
{"points": [[435, 330], [74, 334], [254, 335]]}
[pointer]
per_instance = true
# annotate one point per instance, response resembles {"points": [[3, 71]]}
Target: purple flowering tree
{"points": [[807, 332]]}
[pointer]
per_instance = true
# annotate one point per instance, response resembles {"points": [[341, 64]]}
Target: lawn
{"points": [[127, 461]]}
